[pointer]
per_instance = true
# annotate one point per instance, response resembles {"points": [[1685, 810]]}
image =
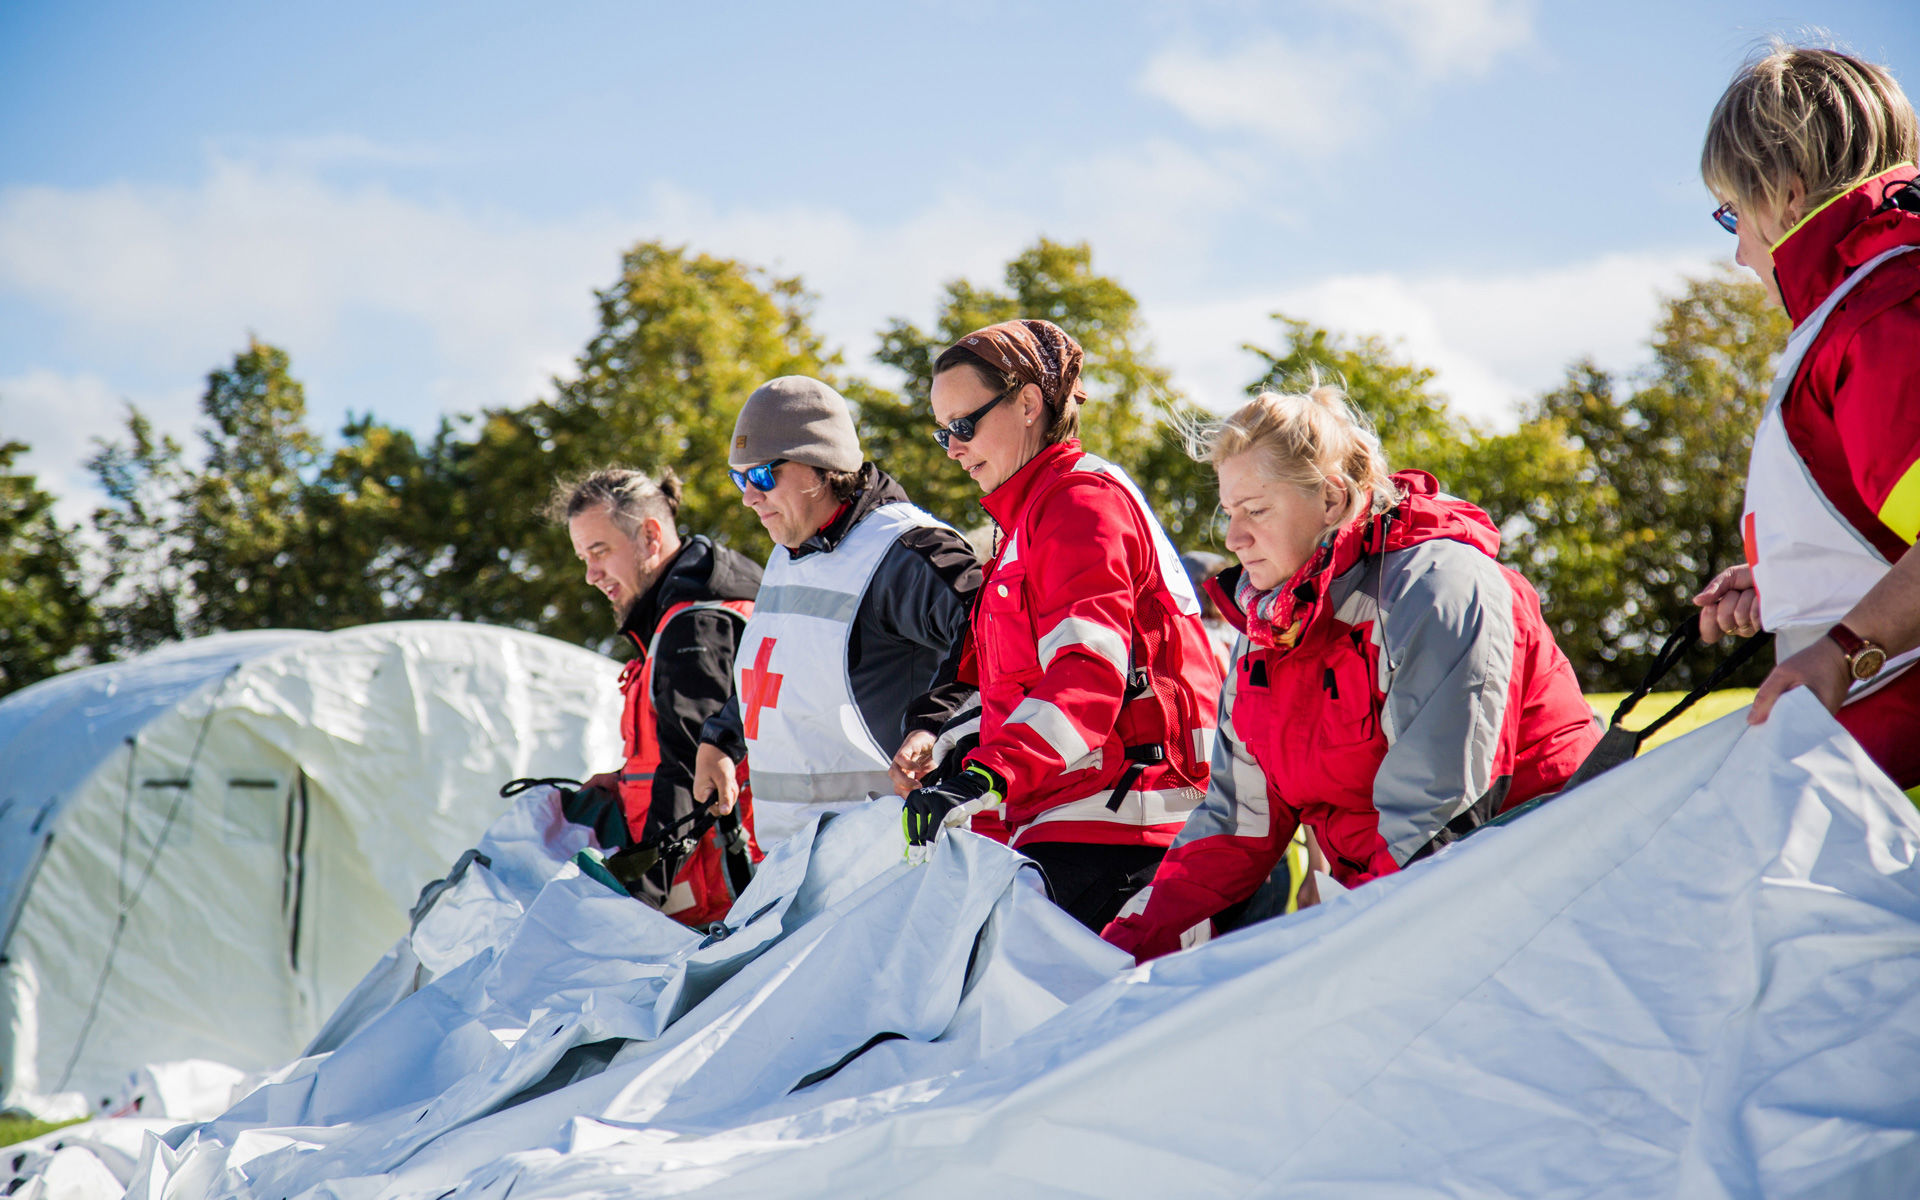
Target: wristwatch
{"points": [[1864, 659]]}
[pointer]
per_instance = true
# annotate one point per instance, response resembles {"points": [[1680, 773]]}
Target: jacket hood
{"points": [[1424, 514], [701, 571], [1831, 243]]}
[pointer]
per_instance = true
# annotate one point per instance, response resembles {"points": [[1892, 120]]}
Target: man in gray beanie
{"points": [[856, 636]]}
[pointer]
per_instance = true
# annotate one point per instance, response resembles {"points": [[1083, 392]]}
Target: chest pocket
{"points": [[1003, 634], [1342, 685]]}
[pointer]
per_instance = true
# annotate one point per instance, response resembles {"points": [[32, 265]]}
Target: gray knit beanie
{"points": [[799, 419]]}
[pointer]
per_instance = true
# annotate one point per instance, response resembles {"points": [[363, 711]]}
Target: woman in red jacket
{"points": [[1396, 686], [1812, 154], [1097, 682]]}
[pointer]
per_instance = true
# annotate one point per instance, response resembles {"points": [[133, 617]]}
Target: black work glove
{"points": [[927, 808]]}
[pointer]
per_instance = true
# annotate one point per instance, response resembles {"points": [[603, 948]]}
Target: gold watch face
{"points": [[1867, 661]]}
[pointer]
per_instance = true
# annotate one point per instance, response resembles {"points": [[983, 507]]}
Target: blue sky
{"points": [[417, 201]]}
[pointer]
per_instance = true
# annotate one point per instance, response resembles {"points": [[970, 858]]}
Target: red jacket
{"points": [[1854, 409], [1422, 694], [1087, 645]]}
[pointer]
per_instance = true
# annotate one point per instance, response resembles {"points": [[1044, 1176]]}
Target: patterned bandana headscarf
{"points": [[1036, 352]]}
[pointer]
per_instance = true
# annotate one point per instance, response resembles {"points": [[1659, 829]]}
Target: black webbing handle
{"points": [[1682, 640]]}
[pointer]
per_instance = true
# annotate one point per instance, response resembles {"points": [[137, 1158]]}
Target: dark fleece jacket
{"points": [[693, 676]]}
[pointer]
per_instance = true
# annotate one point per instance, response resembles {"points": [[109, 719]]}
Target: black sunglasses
{"points": [[965, 427], [1729, 220], [760, 476]]}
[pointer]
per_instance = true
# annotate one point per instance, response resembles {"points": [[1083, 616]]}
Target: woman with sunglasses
{"points": [[1097, 681], [1811, 153]]}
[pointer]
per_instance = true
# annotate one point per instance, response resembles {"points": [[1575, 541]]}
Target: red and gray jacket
{"points": [[1421, 694], [1097, 681], [685, 629]]}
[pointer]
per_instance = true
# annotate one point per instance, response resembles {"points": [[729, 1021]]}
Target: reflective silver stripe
{"points": [[804, 601], [1053, 726], [1078, 631], [1168, 806], [1203, 743], [838, 787]]}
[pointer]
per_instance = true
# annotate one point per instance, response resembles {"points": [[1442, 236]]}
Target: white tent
{"points": [[203, 848], [1696, 976]]}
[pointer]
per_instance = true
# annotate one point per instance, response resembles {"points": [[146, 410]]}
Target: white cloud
{"points": [[1451, 37], [58, 416], [1297, 97], [1321, 92], [1494, 341]]}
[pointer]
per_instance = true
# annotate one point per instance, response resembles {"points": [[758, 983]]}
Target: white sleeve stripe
{"points": [[1053, 726], [1078, 631]]}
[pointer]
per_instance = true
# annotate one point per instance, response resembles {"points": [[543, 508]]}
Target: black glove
{"points": [[927, 808]]}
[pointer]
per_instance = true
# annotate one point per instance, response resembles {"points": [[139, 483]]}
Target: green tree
{"points": [[268, 531], [144, 590], [46, 621], [245, 541], [1665, 461], [1130, 394], [684, 338]]}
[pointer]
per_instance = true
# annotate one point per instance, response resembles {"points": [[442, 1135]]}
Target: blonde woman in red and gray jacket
{"points": [[1097, 682], [1395, 686]]}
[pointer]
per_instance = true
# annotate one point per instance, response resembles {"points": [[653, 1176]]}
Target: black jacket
{"points": [[693, 674], [904, 651]]}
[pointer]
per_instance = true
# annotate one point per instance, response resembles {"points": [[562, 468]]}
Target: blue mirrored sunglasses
{"points": [[1728, 219], [760, 477], [964, 428]]}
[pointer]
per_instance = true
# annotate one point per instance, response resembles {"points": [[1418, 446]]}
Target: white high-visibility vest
{"points": [[1810, 565], [806, 740]]}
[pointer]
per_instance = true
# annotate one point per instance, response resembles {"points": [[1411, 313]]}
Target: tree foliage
{"points": [[683, 340], [46, 620], [1129, 394], [1617, 494]]}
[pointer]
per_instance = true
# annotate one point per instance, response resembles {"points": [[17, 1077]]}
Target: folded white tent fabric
{"points": [[203, 848], [1697, 976]]}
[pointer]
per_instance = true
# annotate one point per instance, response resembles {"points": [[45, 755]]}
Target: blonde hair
{"points": [[1827, 119], [1305, 439]]}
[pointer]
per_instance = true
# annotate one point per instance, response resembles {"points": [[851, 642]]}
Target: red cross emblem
{"points": [[759, 687]]}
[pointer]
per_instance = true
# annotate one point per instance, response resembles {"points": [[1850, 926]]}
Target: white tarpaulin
{"points": [[1698, 976], [203, 848]]}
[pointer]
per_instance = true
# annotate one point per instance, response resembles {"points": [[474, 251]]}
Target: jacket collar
{"points": [[877, 488], [1006, 503], [701, 571], [1424, 514], [1818, 254]]}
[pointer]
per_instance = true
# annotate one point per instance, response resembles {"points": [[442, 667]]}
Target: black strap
{"points": [[1683, 639], [1620, 744], [739, 860], [513, 787], [1139, 758]]}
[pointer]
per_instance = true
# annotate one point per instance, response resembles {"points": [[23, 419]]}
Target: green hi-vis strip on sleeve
{"points": [[1901, 512]]}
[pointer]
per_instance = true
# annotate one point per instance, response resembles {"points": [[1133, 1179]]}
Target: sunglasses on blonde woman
{"points": [[1727, 219]]}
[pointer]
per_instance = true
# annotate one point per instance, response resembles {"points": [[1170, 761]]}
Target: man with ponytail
{"points": [[681, 604], [1396, 687]]}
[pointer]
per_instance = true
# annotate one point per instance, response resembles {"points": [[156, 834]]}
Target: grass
{"points": [[19, 1129]]}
